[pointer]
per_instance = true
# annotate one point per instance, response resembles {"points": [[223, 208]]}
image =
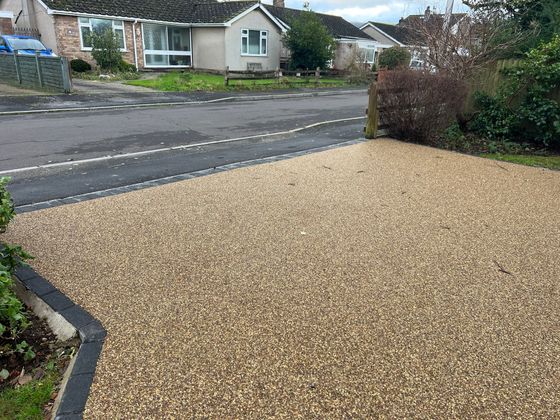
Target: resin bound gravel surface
{"points": [[377, 280]]}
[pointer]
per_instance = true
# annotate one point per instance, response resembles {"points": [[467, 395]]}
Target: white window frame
{"points": [[366, 50], [115, 24], [167, 52], [263, 36]]}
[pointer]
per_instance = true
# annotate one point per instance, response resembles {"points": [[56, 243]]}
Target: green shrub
{"points": [[494, 121], [12, 314], [125, 67], [524, 109], [106, 50], [309, 41], [80, 66], [394, 58]]}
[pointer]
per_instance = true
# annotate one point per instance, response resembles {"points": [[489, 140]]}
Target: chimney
{"points": [[278, 3], [428, 12]]}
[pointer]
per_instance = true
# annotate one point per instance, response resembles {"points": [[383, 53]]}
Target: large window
{"points": [[166, 46], [254, 42], [369, 55], [90, 25]]}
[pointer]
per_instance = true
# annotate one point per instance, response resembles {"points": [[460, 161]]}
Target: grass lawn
{"points": [[186, 82], [28, 401], [550, 162]]}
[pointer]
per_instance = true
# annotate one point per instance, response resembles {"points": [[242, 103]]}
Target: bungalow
{"points": [[402, 34], [350, 40], [163, 34]]}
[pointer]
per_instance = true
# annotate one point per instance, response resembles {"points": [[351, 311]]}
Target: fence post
{"points": [[18, 70], [226, 77], [66, 78], [317, 73], [38, 64], [372, 113]]}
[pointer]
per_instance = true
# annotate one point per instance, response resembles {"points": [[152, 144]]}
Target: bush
{"points": [[125, 67], [106, 50], [494, 121], [419, 106], [394, 58], [12, 314], [80, 66], [309, 41], [526, 107]]}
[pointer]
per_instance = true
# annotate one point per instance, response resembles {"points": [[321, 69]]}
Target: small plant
{"points": [[80, 66], [12, 313], [125, 67], [106, 50], [394, 58]]}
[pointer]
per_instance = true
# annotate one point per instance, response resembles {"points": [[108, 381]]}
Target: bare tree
{"points": [[464, 46]]}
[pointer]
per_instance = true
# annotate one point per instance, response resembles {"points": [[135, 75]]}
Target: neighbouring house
{"points": [[6, 27], [351, 42], [160, 34], [401, 34], [167, 34]]}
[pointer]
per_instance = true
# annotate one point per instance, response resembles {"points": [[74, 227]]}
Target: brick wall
{"points": [[6, 26], [69, 45]]}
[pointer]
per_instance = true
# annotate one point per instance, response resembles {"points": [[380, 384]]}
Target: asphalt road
{"points": [[45, 139]]}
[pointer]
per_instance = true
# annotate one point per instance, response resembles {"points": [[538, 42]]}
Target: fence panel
{"points": [[35, 71]]}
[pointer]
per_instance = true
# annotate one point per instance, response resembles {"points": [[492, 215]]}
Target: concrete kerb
{"points": [[182, 103], [66, 319]]}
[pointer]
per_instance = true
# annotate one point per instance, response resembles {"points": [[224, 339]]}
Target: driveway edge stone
{"points": [[79, 377]]}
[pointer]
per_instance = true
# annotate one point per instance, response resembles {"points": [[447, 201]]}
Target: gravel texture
{"points": [[378, 280]]}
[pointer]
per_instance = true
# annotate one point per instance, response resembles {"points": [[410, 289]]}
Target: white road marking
{"points": [[168, 149]]}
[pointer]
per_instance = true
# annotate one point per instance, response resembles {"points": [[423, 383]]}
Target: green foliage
{"points": [[524, 108], [309, 41], [126, 67], [6, 205], [192, 82], [106, 50], [394, 58], [80, 66], [12, 315], [28, 401], [550, 162], [495, 119]]}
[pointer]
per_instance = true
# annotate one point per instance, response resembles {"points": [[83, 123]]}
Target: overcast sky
{"points": [[359, 11]]}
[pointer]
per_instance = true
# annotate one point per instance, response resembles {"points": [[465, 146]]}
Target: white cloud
{"points": [[380, 10], [360, 13]]}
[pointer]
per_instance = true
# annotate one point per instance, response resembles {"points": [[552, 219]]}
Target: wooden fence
{"points": [[375, 125], [35, 71], [278, 74]]}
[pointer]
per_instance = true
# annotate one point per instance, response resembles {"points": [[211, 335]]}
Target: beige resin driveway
{"points": [[377, 280]]}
